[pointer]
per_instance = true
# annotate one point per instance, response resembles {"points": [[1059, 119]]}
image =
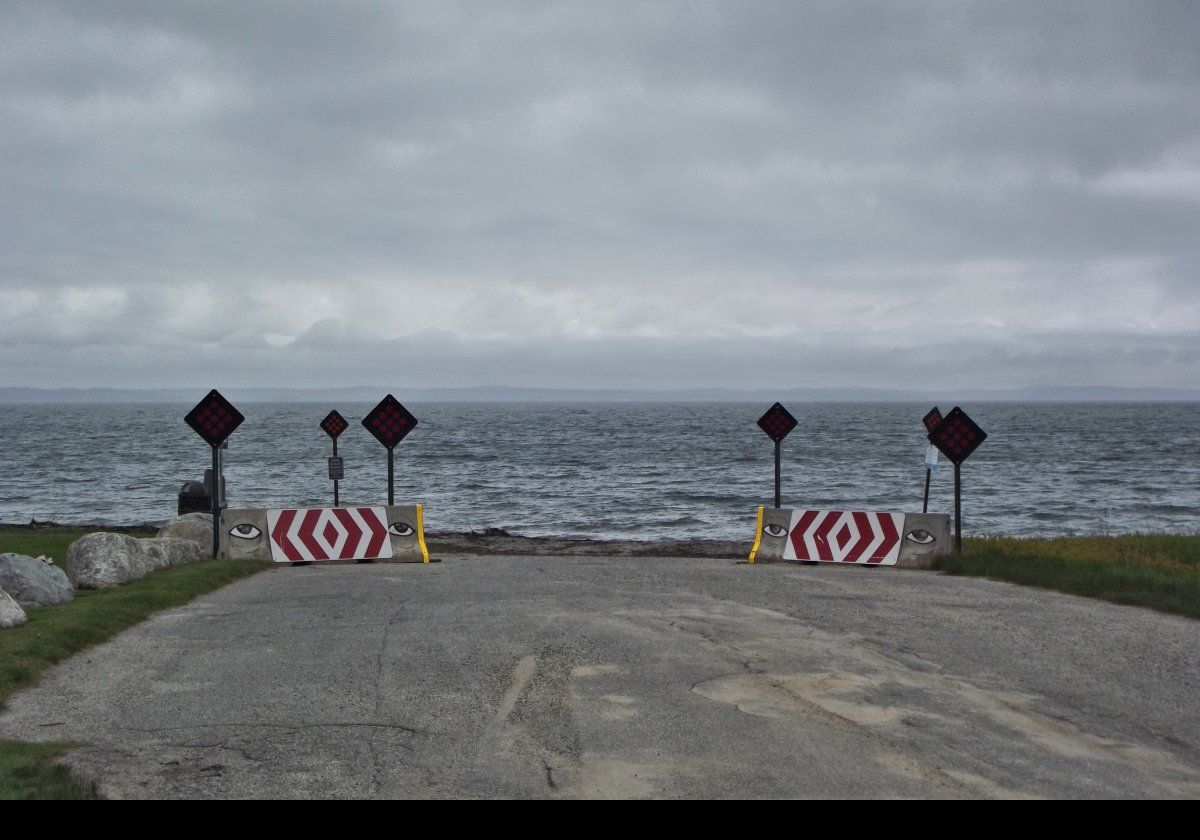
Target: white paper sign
{"points": [[931, 457]]}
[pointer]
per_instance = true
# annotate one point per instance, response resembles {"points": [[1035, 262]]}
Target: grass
{"points": [[1161, 572], [29, 771], [32, 771]]}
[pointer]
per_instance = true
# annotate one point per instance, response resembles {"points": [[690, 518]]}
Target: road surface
{"points": [[630, 677]]}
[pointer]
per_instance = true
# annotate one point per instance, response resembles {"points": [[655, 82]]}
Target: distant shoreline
{"points": [[14, 395]]}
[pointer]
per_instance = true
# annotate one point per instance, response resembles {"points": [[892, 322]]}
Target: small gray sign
{"points": [[337, 470]]}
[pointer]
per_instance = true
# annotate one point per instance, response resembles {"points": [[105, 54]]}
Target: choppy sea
{"points": [[627, 470]]}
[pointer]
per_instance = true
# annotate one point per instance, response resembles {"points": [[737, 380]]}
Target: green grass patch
{"points": [[1158, 571], [56, 633], [31, 771]]}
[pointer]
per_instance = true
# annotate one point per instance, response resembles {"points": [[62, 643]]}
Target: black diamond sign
{"points": [[214, 418], [777, 422], [389, 421], [334, 424], [957, 436], [932, 419]]}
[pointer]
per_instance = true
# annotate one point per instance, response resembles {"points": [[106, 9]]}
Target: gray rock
{"points": [[11, 614], [190, 526], [164, 552], [32, 582], [102, 560]]}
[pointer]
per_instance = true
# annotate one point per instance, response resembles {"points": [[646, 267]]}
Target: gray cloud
{"points": [[599, 194]]}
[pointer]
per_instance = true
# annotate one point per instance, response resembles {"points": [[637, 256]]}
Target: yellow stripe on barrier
{"points": [[757, 535], [421, 534]]}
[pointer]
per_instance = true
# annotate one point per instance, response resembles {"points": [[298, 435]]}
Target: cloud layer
{"points": [[603, 195]]}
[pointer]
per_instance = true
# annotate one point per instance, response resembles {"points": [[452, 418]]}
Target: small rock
{"points": [[164, 552], [11, 614], [33, 582], [190, 526]]}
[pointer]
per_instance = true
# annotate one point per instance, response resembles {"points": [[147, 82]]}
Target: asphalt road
{"points": [[619, 677]]}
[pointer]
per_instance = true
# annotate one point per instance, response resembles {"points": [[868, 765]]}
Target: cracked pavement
{"points": [[629, 677]]}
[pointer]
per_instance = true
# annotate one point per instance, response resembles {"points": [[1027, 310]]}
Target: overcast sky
{"points": [[599, 194]]}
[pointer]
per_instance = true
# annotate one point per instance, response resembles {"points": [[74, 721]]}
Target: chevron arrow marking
{"points": [[837, 536], [308, 535]]}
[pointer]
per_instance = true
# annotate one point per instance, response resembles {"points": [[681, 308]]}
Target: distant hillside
{"points": [[368, 394]]}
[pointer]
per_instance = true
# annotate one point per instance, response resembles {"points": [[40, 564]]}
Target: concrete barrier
{"points": [[851, 537], [325, 535]]}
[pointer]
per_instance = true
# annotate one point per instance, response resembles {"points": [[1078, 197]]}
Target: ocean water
{"points": [[629, 470]]}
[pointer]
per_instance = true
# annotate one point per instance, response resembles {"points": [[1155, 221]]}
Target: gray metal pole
{"points": [[216, 503], [335, 481], [391, 480], [957, 512], [777, 493]]}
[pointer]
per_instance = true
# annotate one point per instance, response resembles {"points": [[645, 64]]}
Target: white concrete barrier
{"points": [[868, 538], [325, 535]]}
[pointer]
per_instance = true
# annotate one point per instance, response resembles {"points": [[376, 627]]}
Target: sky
{"points": [[599, 195]]}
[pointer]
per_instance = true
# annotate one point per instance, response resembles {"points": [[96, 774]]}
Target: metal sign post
{"points": [[777, 423], [778, 450], [957, 510], [390, 423], [930, 421], [333, 425], [214, 418], [216, 500], [957, 436]]}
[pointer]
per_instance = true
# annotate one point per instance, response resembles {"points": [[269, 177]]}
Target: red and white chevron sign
{"points": [[844, 536], [306, 535]]}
